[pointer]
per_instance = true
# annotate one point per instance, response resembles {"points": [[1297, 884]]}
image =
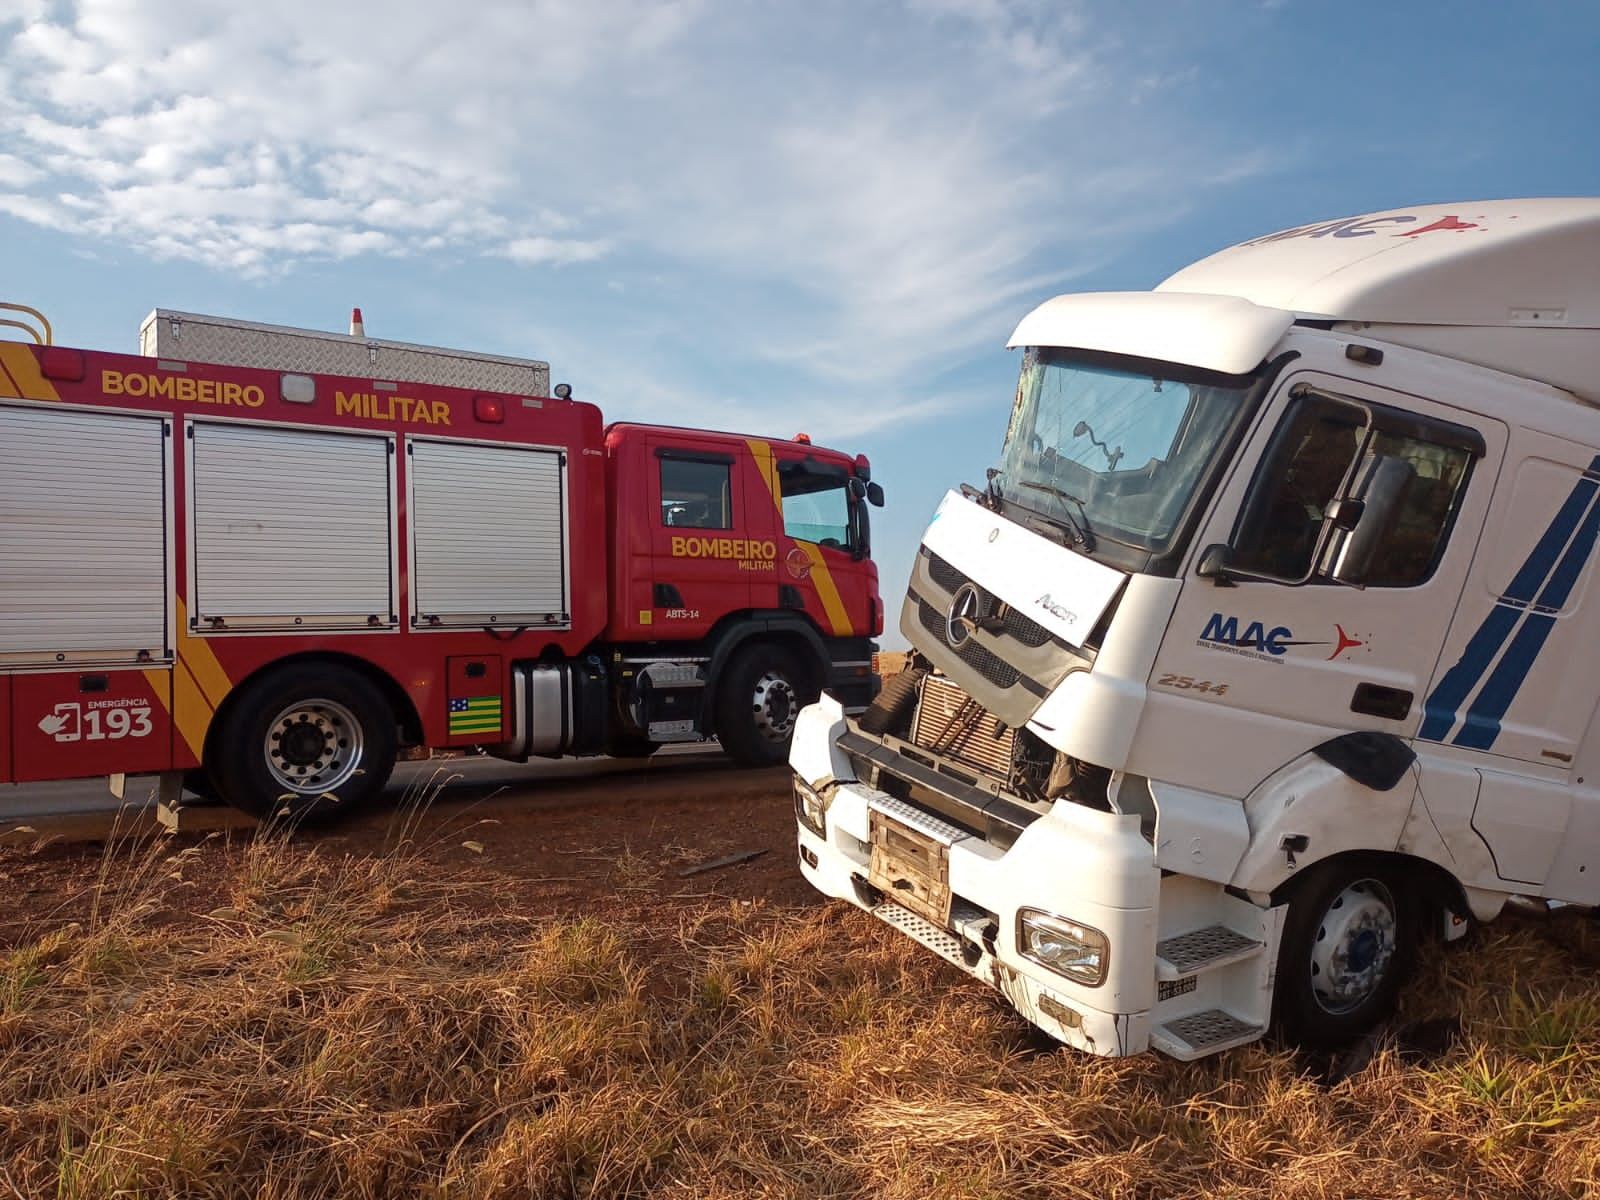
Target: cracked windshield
{"points": [[1109, 453]]}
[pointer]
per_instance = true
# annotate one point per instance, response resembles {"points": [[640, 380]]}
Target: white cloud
{"points": [[855, 194], [556, 251]]}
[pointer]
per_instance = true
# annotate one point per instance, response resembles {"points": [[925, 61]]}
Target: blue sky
{"points": [[746, 214]]}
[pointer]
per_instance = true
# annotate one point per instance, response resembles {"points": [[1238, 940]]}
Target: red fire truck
{"points": [[269, 561]]}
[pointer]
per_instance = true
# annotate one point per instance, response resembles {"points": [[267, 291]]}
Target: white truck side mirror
{"points": [[1380, 488]]}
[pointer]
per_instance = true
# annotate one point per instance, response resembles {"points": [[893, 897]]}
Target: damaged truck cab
{"points": [[1266, 648]]}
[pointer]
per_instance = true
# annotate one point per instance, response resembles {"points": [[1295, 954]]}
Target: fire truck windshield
{"points": [[1114, 450], [818, 506]]}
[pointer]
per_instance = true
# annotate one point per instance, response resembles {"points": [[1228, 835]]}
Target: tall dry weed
{"points": [[356, 1026]]}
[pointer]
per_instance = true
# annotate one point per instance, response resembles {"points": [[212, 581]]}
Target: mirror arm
{"points": [[1213, 565]]}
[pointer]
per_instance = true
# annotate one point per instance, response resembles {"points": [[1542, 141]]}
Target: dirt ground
{"points": [[627, 840]]}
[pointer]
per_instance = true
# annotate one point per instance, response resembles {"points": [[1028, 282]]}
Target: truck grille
{"points": [[1029, 633], [951, 723], [1010, 662], [998, 672]]}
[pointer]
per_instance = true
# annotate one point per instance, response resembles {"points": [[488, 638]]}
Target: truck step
{"points": [[941, 941], [1202, 1033], [1205, 949]]}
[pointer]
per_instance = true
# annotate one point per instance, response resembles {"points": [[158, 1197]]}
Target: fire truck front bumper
{"points": [[851, 679], [1062, 922]]}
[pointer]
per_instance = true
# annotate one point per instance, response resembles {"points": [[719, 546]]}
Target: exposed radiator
{"points": [[951, 723]]}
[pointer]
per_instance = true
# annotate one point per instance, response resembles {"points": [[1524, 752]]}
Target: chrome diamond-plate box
{"points": [[195, 337]]}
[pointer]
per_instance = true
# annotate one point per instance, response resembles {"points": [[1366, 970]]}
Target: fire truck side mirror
{"points": [[875, 495]]}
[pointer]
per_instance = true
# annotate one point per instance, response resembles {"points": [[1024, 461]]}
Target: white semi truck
{"points": [[1270, 644]]}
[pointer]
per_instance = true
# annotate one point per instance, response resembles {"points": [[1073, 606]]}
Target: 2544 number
{"points": [[1187, 684]]}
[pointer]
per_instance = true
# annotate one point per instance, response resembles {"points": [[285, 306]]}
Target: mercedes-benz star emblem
{"points": [[964, 616]]}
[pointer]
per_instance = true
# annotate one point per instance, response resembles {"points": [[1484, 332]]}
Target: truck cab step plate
{"points": [[1205, 949], [941, 941], [1202, 1033]]}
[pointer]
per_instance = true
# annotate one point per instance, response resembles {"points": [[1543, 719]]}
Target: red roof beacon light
{"points": [[489, 409]]}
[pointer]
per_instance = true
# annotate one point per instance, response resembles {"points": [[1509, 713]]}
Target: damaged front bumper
{"points": [[962, 893]]}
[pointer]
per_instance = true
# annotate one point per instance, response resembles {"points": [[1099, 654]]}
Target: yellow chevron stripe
{"points": [[190, 711], [198, 685], [761, 452], [196, 654], [20, 364], [827, 590], [161, 684]]}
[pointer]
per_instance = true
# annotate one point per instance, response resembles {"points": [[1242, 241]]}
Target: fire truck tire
{"points": [[1348, 937], [891, 710], [761, 694], [305, 741], [199, 783]]}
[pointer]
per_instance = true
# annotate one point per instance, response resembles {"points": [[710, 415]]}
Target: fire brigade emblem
{"points": [[799, 563]]}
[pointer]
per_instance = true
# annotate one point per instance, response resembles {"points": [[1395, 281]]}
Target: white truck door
{"points": [[1514, 692], [1286, 658]]}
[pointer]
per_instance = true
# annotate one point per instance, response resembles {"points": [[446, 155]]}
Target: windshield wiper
{"points": [[1081, 532]]}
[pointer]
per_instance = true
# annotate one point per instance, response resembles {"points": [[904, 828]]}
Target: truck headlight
{"points": [[809, 808], [1068, 948]]}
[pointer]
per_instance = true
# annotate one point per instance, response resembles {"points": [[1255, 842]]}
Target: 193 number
{"points": [[71, 722], [112, 723]]}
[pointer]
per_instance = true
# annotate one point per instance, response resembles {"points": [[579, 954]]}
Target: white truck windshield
{"points": [[1113, 453]]}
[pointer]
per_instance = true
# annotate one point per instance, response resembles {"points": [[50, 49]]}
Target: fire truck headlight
{"points": [[809, 808], [1079, 952]]}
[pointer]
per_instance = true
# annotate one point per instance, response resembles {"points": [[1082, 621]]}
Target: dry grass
{"points": [[364, 1027]]}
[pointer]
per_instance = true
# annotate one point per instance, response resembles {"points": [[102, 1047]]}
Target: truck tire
{"points": [[305, 741], [892, 708], [198, 781], [758, 699], [1347, 940]]}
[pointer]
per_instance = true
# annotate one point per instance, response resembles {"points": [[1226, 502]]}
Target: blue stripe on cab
{"points": [[1546, 567], [1445, 699], [1533, 572], [1483, 720]]}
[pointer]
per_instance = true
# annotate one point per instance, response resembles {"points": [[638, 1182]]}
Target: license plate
{"points": [[910, 868], [662, 731]]}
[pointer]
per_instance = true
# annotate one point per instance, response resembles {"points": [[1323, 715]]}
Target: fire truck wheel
{"points": [[892, 708], [1347, 940], [199, 782], [761, 694], [307, 740]]}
